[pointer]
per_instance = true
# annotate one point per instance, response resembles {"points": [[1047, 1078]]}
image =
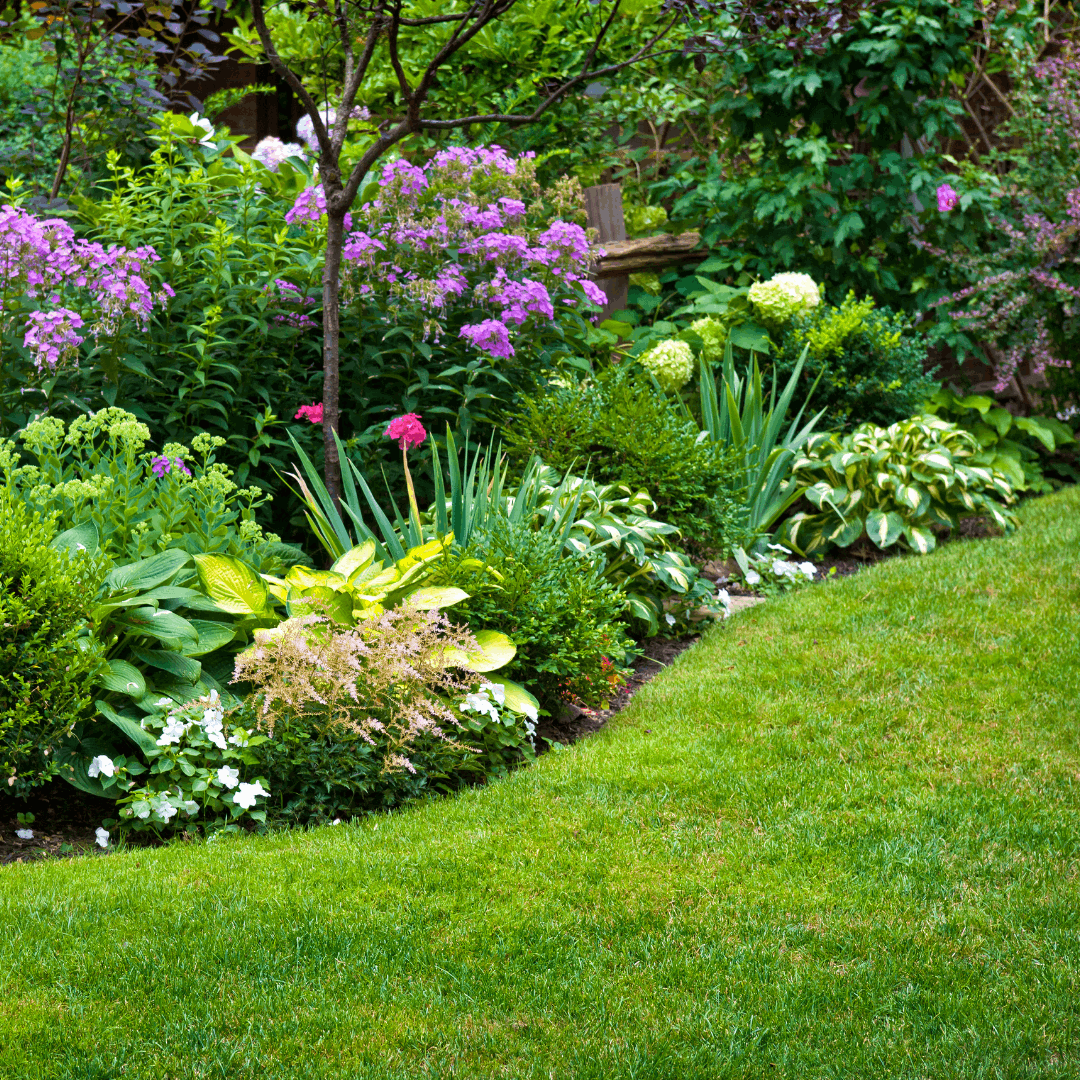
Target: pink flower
{"points": [[947, 198], [407, 430], [312, 412]]}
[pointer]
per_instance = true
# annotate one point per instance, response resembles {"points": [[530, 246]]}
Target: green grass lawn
{"points": [[839, 838]]}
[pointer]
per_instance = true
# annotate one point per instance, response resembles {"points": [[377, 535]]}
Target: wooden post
{"points": [[604, 211]]}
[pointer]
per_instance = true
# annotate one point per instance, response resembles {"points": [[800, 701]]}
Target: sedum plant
{"points": [[894, 485]]}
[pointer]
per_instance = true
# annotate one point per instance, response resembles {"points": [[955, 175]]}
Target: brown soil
{"points": [[63, 826]]}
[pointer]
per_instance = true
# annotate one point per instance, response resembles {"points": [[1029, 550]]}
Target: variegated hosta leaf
{"points": [[908, 495], [920, 539], [884, 528]]}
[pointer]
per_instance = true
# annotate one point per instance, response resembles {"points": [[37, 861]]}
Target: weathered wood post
{"points": [[604, 211]]}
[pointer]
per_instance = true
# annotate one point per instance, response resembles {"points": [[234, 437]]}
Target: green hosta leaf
{"points": [[884, 528], [321, 600], [921, 540], [233, 585], [845, 533], [939, 460], [156, 623], [518, 699], [212, 636], [908, 495], [83, 537], [131, 728], [147, 573], [495, 650], [356, 559], [435, 597], [183, 667], [302, 578], [122, 678]]}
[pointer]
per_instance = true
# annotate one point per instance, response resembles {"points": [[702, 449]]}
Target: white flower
{"points": [[808, 569], [166, 810], [216, 736], [25, 834], [669, 619], [239, 737], [173, 733], [247, 794], [497, 691], [101, 766], [336, 821], [201, 123], [752, 577], [228, 776], [271, 152], [724, 597], [101, 837], [480, 703], [192, 807], [143, 811], [783, 569]]}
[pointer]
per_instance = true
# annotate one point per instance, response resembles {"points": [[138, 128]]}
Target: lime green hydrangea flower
{"points": [[713, 336], [782, 297], [671, 363]]}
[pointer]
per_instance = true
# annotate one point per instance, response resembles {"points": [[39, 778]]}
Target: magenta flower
{"points": [[160, 465], [947, 198], [312, 412], [407, 430]]}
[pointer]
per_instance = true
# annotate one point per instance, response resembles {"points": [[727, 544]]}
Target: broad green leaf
{"points": [[301, 577], [156, 623], [321, 600], [355, 559], [83, 537], [495, 650], [122, 678], [435, 597], [921, 540], [174, 663], [518, 699], [212, 636], [884, 528], [233, 585], [131, 728], [148, 573]]}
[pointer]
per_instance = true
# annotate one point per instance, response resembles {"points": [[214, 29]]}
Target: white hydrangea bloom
{"points": [[779, 299], [713, 338], [671, 363], [271, 151]]}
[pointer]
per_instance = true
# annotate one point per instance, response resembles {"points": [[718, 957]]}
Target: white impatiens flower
{"points": [[669, 619], [25, 834], [246, 794], [191, 806], [497, 691], [101, 837], [782, 297], [166, 810], [101, 766], [203, 125], [752, 577], [671, 363], [228, 776], [808, 569], [781, 568], [480, 703], [725, 601], [174, 731]]}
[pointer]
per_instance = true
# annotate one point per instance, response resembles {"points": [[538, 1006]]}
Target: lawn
{"points": [[839, 838]]}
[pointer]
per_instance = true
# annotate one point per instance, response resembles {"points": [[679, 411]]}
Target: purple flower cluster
{"points": [[296, 301], [1016, 288], [310, 208], [160, 465], [471, 235], [46, 273], [271, 152]]}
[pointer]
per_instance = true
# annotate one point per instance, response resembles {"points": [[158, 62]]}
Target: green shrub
{"points": [[44, 675], [871, 369], [557, 608], [623, 432]]}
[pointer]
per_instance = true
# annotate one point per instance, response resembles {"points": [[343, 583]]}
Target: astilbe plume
{"points": [[471, 229], [53, 285], [382, 679]]}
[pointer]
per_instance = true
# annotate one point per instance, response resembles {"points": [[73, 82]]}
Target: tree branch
{"points": [[395, 59]]}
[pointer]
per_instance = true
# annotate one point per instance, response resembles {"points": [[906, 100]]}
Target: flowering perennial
{"points": [[471, 229], [407, 431], [58, 289], [783, 296], [671, 363]]}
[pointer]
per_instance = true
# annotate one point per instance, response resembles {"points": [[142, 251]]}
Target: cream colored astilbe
{"points": [[382, 680]]}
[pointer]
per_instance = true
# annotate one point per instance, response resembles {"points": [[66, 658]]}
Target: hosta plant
{"points": [[894, 485]]}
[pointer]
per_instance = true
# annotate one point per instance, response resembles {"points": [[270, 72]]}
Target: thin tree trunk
{"points": [[335, 237], [65, 151]]}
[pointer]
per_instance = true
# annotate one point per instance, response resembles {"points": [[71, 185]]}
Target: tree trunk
{"points": [[335, 238]]}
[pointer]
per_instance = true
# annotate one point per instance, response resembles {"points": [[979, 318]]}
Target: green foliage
{"points": [[735, 414], [623, 432], [97, 472], [1023, 448], [868, 366], [894, 485], [559, 611], [44, 673]]}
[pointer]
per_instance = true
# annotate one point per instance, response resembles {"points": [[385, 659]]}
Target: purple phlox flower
{"points": [[518, 299], [593, 293], [491, 336], [947, 198], [403, 176], [51, 336], [359, 246], [310, 208]]}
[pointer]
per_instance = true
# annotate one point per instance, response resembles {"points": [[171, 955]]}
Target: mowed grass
{"points": [[839, 838]]}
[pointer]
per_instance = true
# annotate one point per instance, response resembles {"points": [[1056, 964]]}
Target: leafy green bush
{"points": [[558, 610], [871, 368], [894, 485], [1024, 448], [623, 432], [44, 674]]}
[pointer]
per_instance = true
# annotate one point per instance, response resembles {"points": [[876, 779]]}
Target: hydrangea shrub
{"points": [[778, 300], [671, 363]]}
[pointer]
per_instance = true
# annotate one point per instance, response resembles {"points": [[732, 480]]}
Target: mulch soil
{"points": [[63, 826]]}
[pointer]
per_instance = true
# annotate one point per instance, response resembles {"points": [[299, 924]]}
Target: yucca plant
{"points": [[738, 414]]}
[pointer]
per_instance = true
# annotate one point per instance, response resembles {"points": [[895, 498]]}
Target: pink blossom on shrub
{"points": [[312, 412], [947, 198]]}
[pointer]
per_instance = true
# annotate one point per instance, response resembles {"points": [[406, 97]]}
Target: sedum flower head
{"points": [[671, 363], [782, 297]]}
